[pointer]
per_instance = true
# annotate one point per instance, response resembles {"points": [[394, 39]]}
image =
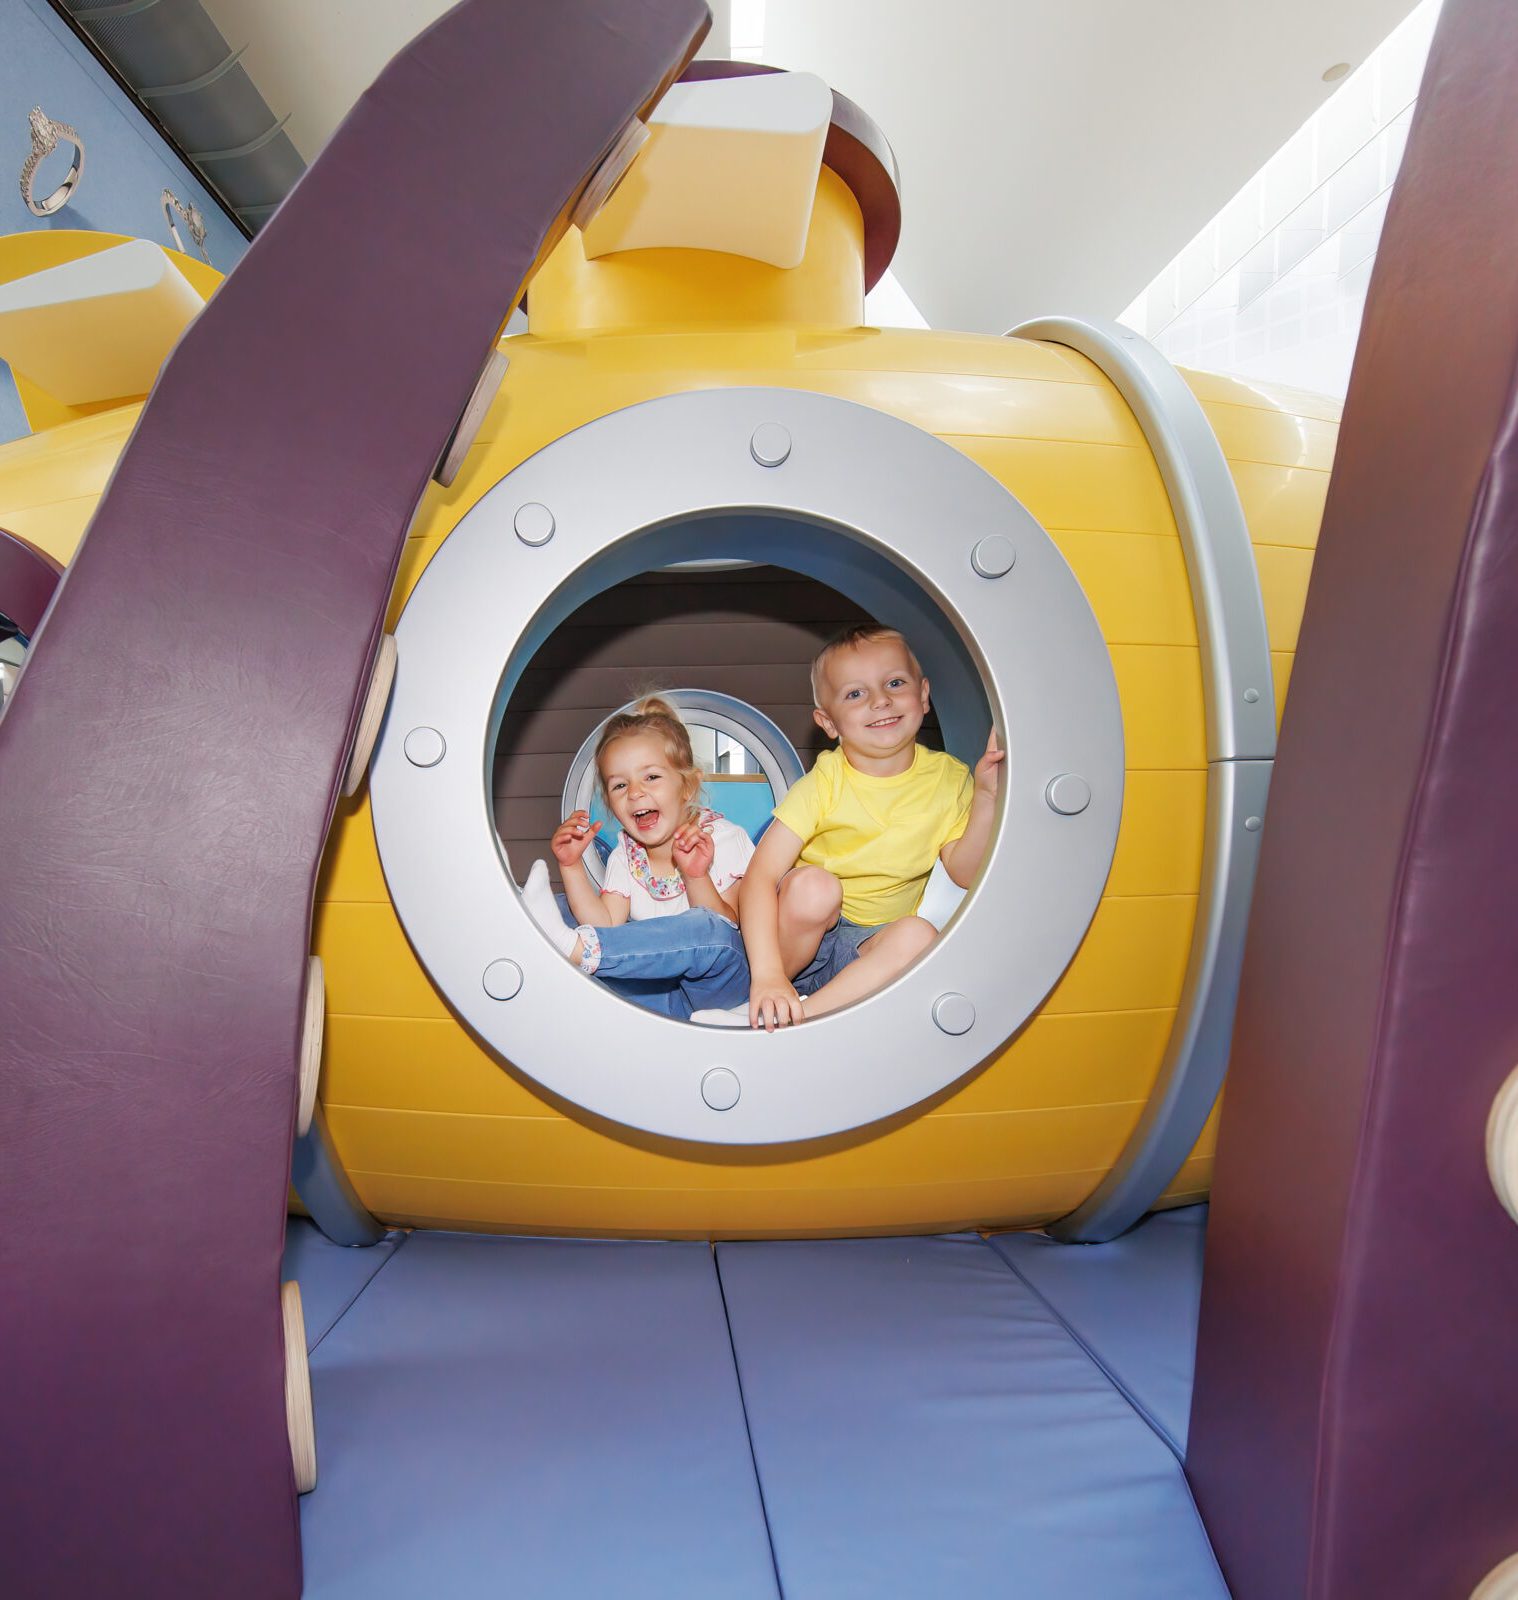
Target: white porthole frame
{"points": [[837, 491]]}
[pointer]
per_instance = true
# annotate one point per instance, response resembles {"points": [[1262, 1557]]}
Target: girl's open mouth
{"points": [[644, 820]]}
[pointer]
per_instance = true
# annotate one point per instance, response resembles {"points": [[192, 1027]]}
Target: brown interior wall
{"points": [[750, 632]]}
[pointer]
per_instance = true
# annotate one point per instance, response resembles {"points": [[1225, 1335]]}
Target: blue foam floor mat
{"points": [[539, 1417], [1133, 1303], [924, 1425], [563, 1418]]}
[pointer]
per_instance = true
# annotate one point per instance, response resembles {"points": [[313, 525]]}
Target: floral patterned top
{"points": [[629, 871]]}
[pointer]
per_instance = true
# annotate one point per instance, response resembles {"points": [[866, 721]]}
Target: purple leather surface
{"points": [[1356, 1396], [27, 581], [168, 770]]}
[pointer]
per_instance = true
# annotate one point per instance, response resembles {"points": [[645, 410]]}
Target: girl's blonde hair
{"points": [[658, 717]]}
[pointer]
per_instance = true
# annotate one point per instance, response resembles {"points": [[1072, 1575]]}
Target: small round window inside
{"points": [[746, 764]]}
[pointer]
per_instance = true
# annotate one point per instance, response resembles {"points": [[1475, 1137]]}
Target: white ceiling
{"points": [[1054, 154]]}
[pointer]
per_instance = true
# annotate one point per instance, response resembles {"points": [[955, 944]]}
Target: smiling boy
{"points": [[830, 897]]}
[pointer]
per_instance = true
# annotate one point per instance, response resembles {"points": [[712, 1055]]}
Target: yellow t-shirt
{"points": [[879, 836]]}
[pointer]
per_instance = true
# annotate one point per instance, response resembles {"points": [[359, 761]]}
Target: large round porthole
{"points": [[916, 534]]}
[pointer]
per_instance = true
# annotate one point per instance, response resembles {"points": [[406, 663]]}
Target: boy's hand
{"points": [[988, 768], [774, 1003], [572, 837], [693, 850]]}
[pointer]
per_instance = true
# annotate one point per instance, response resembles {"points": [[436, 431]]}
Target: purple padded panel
{"points": [[1356, 1396], [165, 814], [27, 580]]}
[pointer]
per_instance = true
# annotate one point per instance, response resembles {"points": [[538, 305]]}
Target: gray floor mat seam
{"points": [[1153, 1422], [358, 1294], [1138, 1406], [748, 1430]]}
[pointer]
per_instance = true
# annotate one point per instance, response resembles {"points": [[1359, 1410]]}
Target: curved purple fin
{"points": [[168, 771], [1356, 1395]]}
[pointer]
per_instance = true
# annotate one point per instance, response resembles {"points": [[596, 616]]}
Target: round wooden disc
{"points": [[299, 1417], [1502, 1145], [1499, 1584], [381, 681], [492, 375], [313, 1025], [604, 180]]}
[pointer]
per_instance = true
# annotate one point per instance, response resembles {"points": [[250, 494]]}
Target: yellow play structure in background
{"points": [[432, 1128]]}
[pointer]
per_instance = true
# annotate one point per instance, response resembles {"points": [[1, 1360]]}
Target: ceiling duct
{"points": [[176, 61]]}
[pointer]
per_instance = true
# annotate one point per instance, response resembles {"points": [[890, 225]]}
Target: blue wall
{"points": [[127, 166]]}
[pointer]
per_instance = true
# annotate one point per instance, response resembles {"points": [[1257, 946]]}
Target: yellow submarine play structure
{"points": [[1102, 555]]}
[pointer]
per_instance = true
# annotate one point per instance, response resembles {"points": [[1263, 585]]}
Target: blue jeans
{"points": [[840, 946], [675, 965]]}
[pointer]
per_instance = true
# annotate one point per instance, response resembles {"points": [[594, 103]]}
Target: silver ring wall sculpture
{"points": [[936, 547], [46, 136]]}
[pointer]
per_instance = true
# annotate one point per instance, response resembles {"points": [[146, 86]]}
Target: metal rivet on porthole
{"points": [[720, 1089], [534, 523], [1252, 824], [994, 557], [1251, 696], [502, 980], [1068, 794], [954, 1013], [425, 747], [770, 445]]}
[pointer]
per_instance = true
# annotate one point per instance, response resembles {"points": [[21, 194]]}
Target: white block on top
{"points": [[730, 164], [98, 328]]}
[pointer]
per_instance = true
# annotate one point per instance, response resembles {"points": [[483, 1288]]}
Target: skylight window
{"points": [[1274, 286]]}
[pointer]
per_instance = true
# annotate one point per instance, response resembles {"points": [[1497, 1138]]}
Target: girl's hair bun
{"points": [[653, 705], [654, 714]]}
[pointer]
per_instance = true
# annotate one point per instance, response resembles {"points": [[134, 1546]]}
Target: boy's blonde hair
{"points": [[658, 717], [849, 639]]}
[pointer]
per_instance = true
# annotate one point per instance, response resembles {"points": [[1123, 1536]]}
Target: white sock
{"points": [[537, 896], [732, 1017]]}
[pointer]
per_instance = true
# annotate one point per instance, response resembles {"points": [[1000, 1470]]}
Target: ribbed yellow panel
{"points": [[436, 1131]]}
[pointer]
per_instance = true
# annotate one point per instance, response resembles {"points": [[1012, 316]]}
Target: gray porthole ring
{"points": [[875, 507]]}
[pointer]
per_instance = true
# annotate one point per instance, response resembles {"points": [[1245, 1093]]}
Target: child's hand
{"points": [[692, 849], [988, 768], [774, 1004], [572, 837]]}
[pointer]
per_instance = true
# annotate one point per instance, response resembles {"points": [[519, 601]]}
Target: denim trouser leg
{"points": [[675, 965]]}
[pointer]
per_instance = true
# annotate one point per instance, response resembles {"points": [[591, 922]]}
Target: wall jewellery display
{"points": [[46, 135], [193, 220]]}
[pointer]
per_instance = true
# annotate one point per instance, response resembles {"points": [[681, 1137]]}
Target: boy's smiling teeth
{"points": [[885, 722]]}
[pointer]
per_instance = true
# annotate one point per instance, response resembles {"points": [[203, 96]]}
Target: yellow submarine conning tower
{"points": [[1104, 558]]}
